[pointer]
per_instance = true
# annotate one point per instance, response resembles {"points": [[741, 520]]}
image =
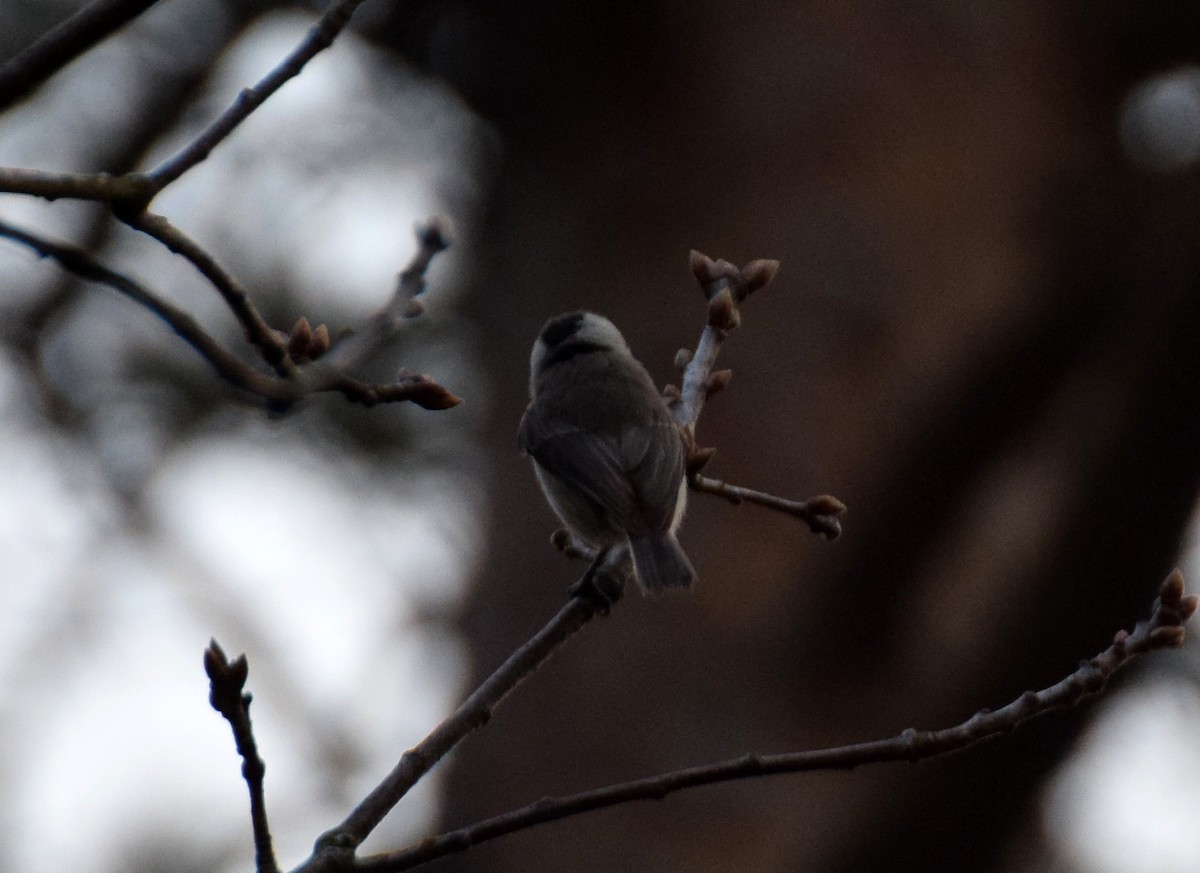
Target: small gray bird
{"points": [[606, 450]]}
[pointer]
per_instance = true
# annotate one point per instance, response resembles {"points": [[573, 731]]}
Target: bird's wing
{"points": [[633, 477], [653, 459]]}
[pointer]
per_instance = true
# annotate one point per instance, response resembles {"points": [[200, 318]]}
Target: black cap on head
{"points": [[561, 328]]}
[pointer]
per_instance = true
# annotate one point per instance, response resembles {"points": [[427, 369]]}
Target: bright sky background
{"points": [[320, 567]]}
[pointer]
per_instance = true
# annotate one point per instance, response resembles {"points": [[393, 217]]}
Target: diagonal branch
{"points": [[271, 346], [320, 36], [60, 45], [1164, 629], [82, 264], [432, 237], [334, 846]]}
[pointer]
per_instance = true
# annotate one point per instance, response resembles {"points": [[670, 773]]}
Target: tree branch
{"points": [[1164, 629], [102, 187], [820, 512], [226, 681], [60, 45], [320, 36], [80, 263], [334, 849], [724, 286], [432, 237], [273, 349], [279, 392]]}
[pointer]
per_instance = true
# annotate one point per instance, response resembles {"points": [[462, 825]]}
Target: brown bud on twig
{"points": [[435, 235], [717, 382], [671, 394], [561, 539], [683, 357], [320, 342], [414, 308], [1167, 637], [702, 266], [722, 311], [758, 273], [1171, 590], [825, 504], [299, 338], [306, 344], [216, 664]]}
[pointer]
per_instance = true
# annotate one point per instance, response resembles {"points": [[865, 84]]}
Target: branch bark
{"points": [[30, 67], [1163, 629]]}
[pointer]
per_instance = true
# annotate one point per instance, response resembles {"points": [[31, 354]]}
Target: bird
{"points": [[606, 450]]}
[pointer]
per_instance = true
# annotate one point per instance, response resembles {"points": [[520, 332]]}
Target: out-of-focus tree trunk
{"points": [[982, 340]]}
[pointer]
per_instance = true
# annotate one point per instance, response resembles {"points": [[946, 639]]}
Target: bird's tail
{"points": [[660, 563]]}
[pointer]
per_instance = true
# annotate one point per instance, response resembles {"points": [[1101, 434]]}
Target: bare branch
{"points": [[272, 347], [724, 286], [227, 679], [432, 237], [415, 388], [281, 392], [82, 264], [60, 45], [103, 187], [320, 36], [1164, 629], [337, 844], [820, 513]]}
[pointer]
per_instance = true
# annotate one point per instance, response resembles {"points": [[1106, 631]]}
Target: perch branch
{"points": [[227, 679], [64, 42], [336, 845], [1164, 629], [725, 286]]}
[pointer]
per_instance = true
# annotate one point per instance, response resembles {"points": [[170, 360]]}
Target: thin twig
{"points": [[1164, 629], [269, 344], [820, 513], [227, 679], [724, 286], [432, 237], [281, 393], [472, 714], [320, 36], [82, 264], [60, 45]]}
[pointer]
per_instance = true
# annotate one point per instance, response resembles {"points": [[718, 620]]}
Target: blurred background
{"points": [[982, 339]]}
